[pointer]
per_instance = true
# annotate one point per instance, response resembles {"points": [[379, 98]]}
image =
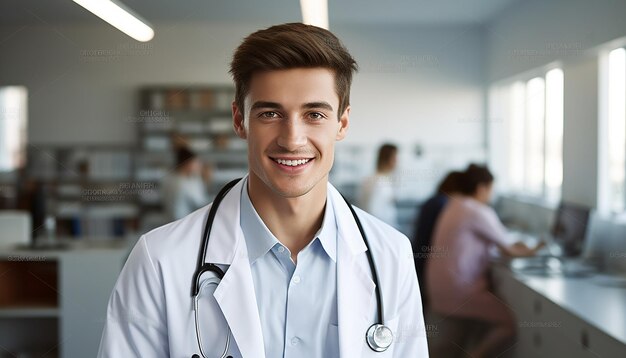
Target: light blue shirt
{"points": [[297, 303]]}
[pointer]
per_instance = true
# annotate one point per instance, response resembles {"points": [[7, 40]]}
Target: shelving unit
{"points": [[85, 188], [198, 117]]}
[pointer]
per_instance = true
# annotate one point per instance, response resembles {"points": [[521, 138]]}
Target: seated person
{"points": [[425, 224], [457, 277]]}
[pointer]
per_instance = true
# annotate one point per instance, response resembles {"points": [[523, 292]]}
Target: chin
{"points": [[291, 187]]}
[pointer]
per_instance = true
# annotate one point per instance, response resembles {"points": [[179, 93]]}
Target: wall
{"points": [[415, 85], [533, 33]]}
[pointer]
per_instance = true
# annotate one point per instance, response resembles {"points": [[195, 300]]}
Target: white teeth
{"points": [[292, 163]]}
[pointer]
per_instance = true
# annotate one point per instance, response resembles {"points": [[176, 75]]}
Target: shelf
{"points": [[27, 311]]}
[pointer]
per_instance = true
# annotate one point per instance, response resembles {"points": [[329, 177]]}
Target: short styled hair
{"points": [[292, 45]]}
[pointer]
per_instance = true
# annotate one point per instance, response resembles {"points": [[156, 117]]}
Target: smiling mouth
{"points": [[292, 162]]}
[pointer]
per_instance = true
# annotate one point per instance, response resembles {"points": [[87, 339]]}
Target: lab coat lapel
{"points": [[235, 293], [236, 298], [355, 287]]}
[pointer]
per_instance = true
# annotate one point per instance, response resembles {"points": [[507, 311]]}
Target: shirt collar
{"points": [[260, 240]]}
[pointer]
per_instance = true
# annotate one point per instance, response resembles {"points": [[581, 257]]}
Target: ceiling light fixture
{"points": [[120, 17], [315, 12]]}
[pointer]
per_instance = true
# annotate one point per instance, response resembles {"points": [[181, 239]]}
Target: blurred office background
{"points": [[91, 119]]}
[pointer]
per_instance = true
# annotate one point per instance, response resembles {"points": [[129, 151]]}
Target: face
{"points": [[393, 161], [291, 125], [483, 192], [192, 166]]}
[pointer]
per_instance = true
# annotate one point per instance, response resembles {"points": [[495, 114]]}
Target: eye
{"points": [[316, 116], [269, 114]]}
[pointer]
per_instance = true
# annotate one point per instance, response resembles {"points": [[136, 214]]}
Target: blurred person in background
{"points": [[425, 224], [185, 190], [376, 194], [461, 303], [32, 196]]}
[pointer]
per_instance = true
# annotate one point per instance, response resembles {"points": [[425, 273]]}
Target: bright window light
{"points": [[554, 134], [315, 12], [617, 128], [120, 17], [516, 113], [535, 114], [13, 118]]}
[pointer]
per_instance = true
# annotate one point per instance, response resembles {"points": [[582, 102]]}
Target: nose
{"points": [[292, 134]]}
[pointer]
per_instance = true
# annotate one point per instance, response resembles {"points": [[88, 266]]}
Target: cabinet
{"points": [[53, 303], [547, 327]]}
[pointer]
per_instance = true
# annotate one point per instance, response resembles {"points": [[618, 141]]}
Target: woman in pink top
{"points": [[457, 268]]}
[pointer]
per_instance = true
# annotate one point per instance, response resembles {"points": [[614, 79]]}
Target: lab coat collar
{"points": [[348, 230], [226, 236]]}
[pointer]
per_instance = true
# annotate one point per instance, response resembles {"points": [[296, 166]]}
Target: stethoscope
{"points": [[378, 336]]}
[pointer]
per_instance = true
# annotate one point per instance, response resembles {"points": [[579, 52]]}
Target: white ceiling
{"points": [[420, 12]]}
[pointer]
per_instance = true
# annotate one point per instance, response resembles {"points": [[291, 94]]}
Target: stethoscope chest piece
{"points": [[379, 337]]}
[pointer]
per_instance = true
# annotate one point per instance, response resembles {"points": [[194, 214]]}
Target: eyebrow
{"points": [[275, 105]]}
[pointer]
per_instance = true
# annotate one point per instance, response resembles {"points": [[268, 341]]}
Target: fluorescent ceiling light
{"points": [[315, 12], [120, 17]]}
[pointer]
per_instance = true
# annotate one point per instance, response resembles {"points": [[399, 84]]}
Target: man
{"points": [[297, 281]]}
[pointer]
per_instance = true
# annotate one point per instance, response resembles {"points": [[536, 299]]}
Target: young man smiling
{"points": [[299, 280]]}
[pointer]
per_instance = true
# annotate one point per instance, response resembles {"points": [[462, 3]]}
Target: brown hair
{"points": [[288, 46], [385, 153], [451, 183], [474, 176]]}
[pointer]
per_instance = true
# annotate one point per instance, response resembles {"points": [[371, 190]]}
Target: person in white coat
{"points": [[185, 189], [298, 278], [376, 193]]}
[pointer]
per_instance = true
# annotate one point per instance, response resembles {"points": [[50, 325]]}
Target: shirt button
{"points": [[295, 341], [296, 279], [281, 249]]}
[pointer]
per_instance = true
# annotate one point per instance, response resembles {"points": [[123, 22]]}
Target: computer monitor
{"points": [[570, 228]]}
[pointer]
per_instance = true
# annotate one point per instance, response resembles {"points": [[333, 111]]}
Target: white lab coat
{"points": [[150, 310], [376, 196]]}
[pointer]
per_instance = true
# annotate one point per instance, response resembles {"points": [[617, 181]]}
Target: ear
{"points": [[344, 123], [238, 121]]}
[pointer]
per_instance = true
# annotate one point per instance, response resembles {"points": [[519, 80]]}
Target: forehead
{"points": [[297, 85]]}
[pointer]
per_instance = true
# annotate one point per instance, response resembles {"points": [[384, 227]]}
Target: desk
{"points": [[563, 316], [53, 302]]}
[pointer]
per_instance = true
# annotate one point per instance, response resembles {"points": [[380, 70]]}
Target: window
{"points": [[613, 155], [533, 143], [533, 115], [12, 127], [554, 135]]}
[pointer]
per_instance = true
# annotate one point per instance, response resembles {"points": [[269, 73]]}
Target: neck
{"points": [[479, 198], [293, 220]]}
